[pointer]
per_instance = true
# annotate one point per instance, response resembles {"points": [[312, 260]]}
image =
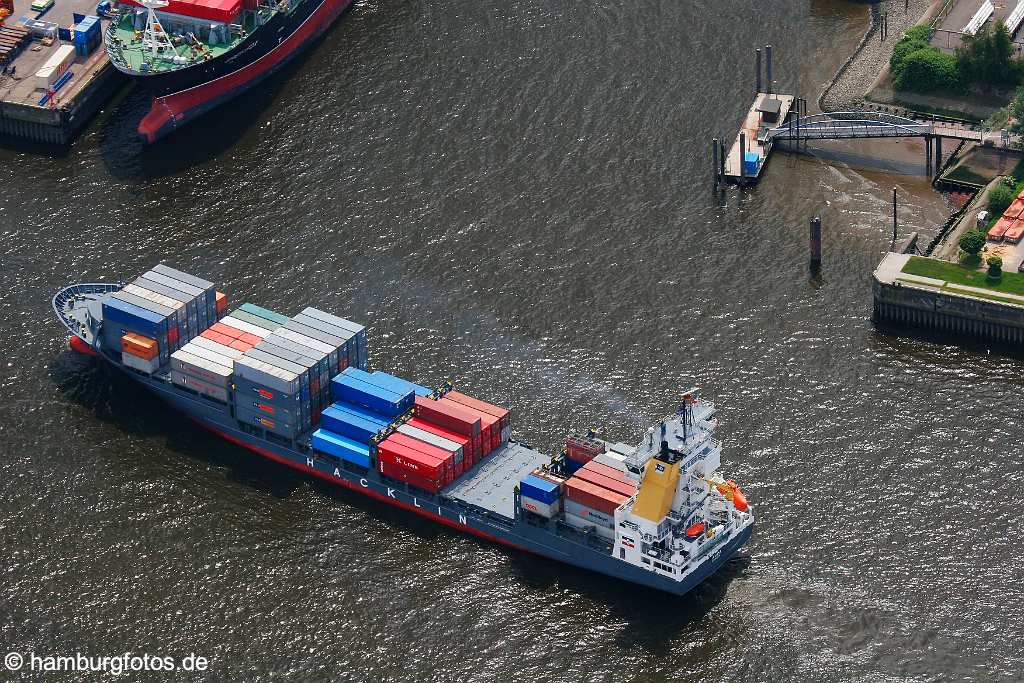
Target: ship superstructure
{"points": [[298, 390]]}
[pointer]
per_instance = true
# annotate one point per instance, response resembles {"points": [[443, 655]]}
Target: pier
{"points": [[53, 117]]}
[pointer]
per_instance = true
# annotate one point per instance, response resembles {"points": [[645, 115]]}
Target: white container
{"points": [[548, 510], [200, 368], [243, 326], [55, 67], [434, 440], [216, 347], [144, 366], [188, 381], [206, 354], [582, 524]]}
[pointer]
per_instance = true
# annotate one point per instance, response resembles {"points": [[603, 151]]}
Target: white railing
{"points": [[979, 18]]}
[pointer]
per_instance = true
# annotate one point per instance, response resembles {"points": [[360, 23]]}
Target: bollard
{"points": [[714, 161], [758, 60], [721, 159], [895, 232], [743, 153], [815, 241]]}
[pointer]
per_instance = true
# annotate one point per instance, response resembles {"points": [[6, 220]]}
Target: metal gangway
{"points": [[864, 124]]}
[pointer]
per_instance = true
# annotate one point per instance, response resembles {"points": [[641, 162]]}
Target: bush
{"points": [[926, 70], [995, 267], [1000, 197], [972, 241]]}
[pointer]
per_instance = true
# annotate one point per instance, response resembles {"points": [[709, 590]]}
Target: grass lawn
{"points": [[1012, 283]]}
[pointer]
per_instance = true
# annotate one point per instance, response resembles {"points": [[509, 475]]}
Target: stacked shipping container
{"points": [[165, 305], [593, 493]]}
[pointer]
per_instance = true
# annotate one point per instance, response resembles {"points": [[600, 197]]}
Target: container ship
{"points": [[298, 390], [192, 55]]}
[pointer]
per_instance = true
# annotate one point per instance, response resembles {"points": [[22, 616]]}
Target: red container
{"points": [[607, 471], [217, 337], [464, 441], [605, 482], [226, 330], [240, 345], [452, 417], [250, 339], [497, 411], [408, 465], [593, 496], [401, 474], [224, 11], [583, 450], [173, 336], [222, 303], [446, 457], [490, 426]]}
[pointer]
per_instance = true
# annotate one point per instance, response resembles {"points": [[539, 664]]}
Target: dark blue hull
{"points": [[552, 540]]}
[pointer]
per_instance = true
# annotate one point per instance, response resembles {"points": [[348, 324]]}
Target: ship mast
{"points": [[155, 34]]}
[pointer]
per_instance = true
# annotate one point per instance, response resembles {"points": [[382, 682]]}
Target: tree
{"points": [[1000, 197], [986, 57], [995, 267], [927, 70], [972, 241]]}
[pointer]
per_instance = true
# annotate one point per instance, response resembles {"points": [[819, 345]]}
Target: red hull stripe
{"points": [[171, 110], [81, 346], [369, 492]]}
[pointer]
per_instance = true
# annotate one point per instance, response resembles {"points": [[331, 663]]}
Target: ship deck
{"points": [[130, 52], [490, 486]]}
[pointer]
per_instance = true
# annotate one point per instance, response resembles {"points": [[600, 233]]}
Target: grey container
{"points": [[208, 288], [190, 301], [268, 375], [202, 368], [178, 317], [196, 297]]}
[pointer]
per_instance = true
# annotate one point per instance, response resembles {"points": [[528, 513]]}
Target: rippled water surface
{"points": [[513, 195]]}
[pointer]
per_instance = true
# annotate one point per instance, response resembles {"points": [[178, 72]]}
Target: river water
{"points": [[514, 195]]}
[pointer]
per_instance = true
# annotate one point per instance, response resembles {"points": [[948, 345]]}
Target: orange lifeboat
{"points": [[738, 499], [695, 530], [78, 345]]}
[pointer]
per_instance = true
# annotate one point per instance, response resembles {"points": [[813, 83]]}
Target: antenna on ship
{"points": [[158, 38]]}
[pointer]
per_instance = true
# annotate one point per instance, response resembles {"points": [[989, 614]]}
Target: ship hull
{"points": [[182, 95], [518, 534]]}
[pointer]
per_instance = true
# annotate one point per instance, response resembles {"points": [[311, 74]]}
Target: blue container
{"points": [[137, 319], [347, 424], [751, 162], [342, 447], [345, 387], [362, 412], [395, 383], [539, 489]]}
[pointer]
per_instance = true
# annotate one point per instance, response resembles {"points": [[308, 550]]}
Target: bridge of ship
{"points": [[864, 124]]}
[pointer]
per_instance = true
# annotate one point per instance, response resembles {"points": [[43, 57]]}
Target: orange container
{"points": [[222, 303], [139, 346]]}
